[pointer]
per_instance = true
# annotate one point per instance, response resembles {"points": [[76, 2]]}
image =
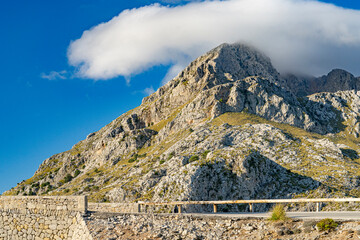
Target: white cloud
{"points": [[53, 75], [178, 1], [173, 72], [148, 91], [298, 35]]}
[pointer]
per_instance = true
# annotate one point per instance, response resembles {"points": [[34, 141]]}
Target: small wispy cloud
{"points": [[173, 72], [54, 75], [148, 91], [305, 36]]}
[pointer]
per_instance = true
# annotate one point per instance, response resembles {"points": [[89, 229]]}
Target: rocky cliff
{"points": [[336, 80], [227, 127]]}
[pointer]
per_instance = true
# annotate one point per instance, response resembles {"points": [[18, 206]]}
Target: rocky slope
{"points": [[227, 127], [192, 227]]}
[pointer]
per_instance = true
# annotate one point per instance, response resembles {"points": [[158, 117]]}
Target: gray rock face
{"points": [[237, 61], [336, 80], [341, 108], [227, 127]]}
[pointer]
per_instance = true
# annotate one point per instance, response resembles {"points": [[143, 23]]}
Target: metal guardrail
{"points": [[251, 202]]}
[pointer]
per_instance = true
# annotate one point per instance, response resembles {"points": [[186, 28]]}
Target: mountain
{"points": [[336, 80], [229, 126]]}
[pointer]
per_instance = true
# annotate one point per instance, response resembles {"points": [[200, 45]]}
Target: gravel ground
{"points": [[130, 226]]}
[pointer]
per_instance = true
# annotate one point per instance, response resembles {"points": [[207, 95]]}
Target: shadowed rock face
{"points": [[250, 176], [178, 144], [336, 80]]}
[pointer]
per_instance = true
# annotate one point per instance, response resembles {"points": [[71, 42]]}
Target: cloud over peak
{"points": [[298, 35]]}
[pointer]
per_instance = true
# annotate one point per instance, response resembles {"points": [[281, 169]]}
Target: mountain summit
{"points": [[227, 127]]}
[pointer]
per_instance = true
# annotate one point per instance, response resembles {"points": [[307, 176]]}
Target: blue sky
{"points": [[43, 116]]}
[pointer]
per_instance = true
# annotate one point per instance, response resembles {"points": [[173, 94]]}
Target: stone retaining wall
{"points": [[48, 204], [47, 217], [114, 207]]}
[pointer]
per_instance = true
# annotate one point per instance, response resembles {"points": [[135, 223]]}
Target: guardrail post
{"points": [[250, 207], [318, 207], [215, 208]]}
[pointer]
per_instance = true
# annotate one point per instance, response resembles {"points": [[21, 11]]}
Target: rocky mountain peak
{"points": [[335, 80], [223, 64], [241, 61], [338, 80]]}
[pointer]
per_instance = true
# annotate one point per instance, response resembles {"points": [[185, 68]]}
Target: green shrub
{"points": [[221, 100], [43, 185], [278, 213], [204, 154], [134, 158], [162, 161], [194, 158], [77, 172], [171, 155], [68, 178], [326, 224], [191, 130]]}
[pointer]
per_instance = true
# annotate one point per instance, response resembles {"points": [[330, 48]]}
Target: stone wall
{"points": [[47, 217], [114, 207], [44, 204]]}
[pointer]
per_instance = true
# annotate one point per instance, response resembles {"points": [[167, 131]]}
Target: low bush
{"points": [[68, 178], [326, 224], [278, 213], [77, 172], [204, 154], [171, 155], [43, 185], [193, 158]]}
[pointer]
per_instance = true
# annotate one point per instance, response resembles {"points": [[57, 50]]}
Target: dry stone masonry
{"points": [[43, 218], [114, 207]]}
